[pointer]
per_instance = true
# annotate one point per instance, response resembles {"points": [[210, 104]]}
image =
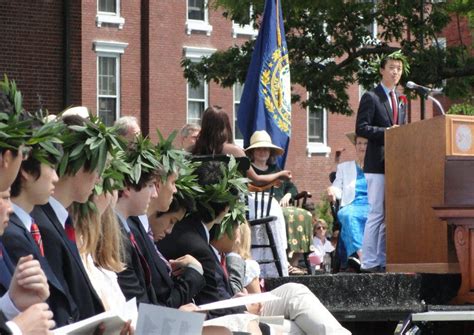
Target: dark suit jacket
{"points": [[170, 291], [63, 258], [19, 242], [373, 118], [4, 330], [6, 270], [189, 237], [132, 280]]}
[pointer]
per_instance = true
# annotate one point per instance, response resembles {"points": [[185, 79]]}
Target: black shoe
{"points": [[354, 263], [375, 269]]}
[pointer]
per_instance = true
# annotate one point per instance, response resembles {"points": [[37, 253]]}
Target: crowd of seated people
{"points": [[100, 215]]}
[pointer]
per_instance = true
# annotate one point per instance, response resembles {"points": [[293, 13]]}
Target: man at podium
{"points": [[379, 110]]}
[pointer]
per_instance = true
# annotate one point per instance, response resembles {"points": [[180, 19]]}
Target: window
{"points": [[107, 95], [108, 79], [244, 29], [371, 38], [197, 97], [197, 102], [238, 89], [108, 13], [317, 131], [198, 17]]}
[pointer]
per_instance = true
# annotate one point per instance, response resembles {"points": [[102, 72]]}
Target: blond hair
{"points": [[243, 249], [100, 236]]}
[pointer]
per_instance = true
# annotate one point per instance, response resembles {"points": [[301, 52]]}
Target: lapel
{"points": [[379, 91], [6, 268], [72, 248], [158, 263], [15, 220], [401, 110]]}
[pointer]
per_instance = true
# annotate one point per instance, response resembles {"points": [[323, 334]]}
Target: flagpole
{"points": [[278, 24]]}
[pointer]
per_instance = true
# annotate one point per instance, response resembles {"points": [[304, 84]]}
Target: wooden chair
{"points": [[262, 205], [301, 199]]}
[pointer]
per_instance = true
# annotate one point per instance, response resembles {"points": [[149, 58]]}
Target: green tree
{"points": [[331, 47]]}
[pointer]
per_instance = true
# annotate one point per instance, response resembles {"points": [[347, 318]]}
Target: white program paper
{"points": [[240, 301], [154, 320], [113, 321]]}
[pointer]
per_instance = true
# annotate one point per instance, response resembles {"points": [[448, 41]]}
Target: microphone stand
{"points": [[437, 103]]}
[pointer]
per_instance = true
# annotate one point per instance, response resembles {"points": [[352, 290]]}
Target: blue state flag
{"points": [[266, 100]]}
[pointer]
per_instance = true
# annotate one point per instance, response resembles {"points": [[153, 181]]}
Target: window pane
{"points": [[196, 92], [107, 76], [108, 6], [316, 125], [196, 10], [195, 110], [238, 89], [107, 107]]}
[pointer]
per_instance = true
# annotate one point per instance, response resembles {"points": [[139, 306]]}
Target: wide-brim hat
{"points": [[352, 137], [261, 139]]}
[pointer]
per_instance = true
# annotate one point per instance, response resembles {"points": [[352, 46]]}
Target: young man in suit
{"points": [[33, 186], [135, 280], [80, 174], [379, 110], [24, 288]]}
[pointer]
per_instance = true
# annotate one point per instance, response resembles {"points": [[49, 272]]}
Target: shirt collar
{"points": [[144, 221], [123, 221], [24, 217], [59, 210], [207, 232]]}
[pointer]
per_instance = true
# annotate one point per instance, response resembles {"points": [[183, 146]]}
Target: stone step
{"points": [[378, 296]]}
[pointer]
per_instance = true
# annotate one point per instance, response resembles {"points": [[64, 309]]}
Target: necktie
{"points": [[35, 233], [168, 266], [224, 265], [394, 107], [143, 262], [69, 228]]}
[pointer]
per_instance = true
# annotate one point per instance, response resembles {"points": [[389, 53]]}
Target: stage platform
{"points": [[376, 303]]}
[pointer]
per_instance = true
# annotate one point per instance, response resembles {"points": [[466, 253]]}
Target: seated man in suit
{"points": [[79, 172], [135, 280], [24, 288], [33, 186], [191, 236]]}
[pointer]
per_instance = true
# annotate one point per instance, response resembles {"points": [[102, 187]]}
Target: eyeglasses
{"points": [[321, 228]]}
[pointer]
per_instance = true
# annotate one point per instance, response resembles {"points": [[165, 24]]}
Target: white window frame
{"points": [[239, 142], [110, 17], [195, 54], [198, 25], [244, 30], [318, 147], [109, 49], [188, 99]]}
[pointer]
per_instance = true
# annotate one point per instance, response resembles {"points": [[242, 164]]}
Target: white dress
{"points": [[105, 284], [259, 236]]}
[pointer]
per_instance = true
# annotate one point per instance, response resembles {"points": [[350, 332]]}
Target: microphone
{"points": [[423, 90]]}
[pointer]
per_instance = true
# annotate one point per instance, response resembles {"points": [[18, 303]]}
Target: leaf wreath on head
{"points": [[88, 145], [15, 122], [231, 189], [45, 141], [142, 158], [113, 177], [176, 161]]}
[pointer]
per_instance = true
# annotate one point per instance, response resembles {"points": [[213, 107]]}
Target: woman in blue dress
{"points": [[350, 187]]}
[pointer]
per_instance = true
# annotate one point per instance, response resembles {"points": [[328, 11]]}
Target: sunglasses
{"points": [[321, 228]]}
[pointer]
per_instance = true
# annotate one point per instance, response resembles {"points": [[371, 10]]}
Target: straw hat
{"points": [[352, 137], [261, 139]]}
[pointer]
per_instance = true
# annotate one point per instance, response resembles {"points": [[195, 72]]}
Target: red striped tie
{"points": [[35, 233], [394, 107], [70, 232]]}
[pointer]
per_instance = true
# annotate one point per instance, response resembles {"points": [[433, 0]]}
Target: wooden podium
{"points": [[427, 164]]}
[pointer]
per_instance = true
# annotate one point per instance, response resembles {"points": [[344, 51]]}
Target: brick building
{"points": [[123, 58]]}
